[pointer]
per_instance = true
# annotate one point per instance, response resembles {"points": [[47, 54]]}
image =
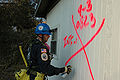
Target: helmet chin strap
{"points": [[42, 38]]}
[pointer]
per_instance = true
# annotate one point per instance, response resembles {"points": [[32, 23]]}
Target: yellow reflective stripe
{"points": [[40, 76], [20, 48]]}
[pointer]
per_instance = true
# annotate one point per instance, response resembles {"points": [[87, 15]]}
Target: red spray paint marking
{"points": [[68, 41], [83, 20], [75, 42], [65, 42], [84, 46], [92, 19], [80, 9], [89, 5], [83, 23]]}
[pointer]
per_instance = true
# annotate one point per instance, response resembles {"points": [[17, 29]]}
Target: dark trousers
{"points": [[32, 77]]}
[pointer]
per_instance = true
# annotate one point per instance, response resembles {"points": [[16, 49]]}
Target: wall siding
{"points": [[103, 51]]}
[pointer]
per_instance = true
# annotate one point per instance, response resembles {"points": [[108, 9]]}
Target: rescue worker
{"points": [[40, 58]]}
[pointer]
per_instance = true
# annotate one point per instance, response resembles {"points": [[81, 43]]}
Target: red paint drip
{"points": [[83, 47]]}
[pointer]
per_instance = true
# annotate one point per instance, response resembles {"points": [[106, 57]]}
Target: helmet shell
{"points": [[42, 28]]}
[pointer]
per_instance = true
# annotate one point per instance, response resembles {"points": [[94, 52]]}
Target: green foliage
{"points": [[19, 15]]}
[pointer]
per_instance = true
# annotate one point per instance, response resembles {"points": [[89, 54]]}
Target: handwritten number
{"points": [[89, 5], [68, 41], [65, 42], [81, 9], [92, 19], [85, 22]]}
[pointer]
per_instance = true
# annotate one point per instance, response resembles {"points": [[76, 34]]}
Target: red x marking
{"points": [[84, 46]]}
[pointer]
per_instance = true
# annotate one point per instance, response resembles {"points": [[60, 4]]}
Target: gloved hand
{"points": [[51, 56], [68, 69]]}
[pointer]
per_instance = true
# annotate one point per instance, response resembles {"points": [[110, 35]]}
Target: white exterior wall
{"points": [[104, 50]]}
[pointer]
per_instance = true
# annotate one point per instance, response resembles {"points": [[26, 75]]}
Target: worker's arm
{"points": [[55, 71], [51, 70]]}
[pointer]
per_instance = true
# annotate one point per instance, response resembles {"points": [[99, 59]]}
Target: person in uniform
{"points": [[40, 58]]}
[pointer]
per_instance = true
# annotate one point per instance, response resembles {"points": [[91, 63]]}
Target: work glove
{"points": [[51, 56], [68, 69]]}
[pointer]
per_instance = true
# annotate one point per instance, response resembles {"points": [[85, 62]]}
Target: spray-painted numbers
{"points": [[68, 40], [83, 22], [89, 6], [80, 9], [92, 19]]}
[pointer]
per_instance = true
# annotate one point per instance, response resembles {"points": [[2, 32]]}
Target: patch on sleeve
{"points": [[44, 56], [43, 51]]}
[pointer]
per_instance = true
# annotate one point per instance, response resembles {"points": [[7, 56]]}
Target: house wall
{"points": [[103, 52]]}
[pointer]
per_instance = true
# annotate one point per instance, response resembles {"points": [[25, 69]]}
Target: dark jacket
{"points": [[40, 58]]}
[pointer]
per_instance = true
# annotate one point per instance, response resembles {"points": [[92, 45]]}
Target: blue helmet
{"points": [[42, 28]]}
